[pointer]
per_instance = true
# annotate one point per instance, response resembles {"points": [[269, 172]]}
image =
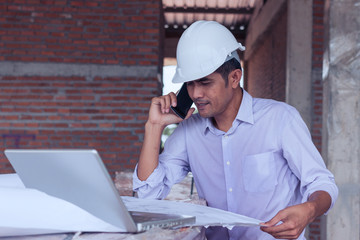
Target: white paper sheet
{"points": [[205, 216], [28, 211], [10, 181]]}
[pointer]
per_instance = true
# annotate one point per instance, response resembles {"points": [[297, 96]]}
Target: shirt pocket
{"points": [[259, 172]]}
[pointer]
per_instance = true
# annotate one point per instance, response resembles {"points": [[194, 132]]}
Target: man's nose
{"points": [[197, 92]]}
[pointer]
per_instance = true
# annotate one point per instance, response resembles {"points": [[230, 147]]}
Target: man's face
{"points": [[210, 95]]}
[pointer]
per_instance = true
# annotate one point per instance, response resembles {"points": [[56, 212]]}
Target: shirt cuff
{"points": [[153, 187], [331, 189]]}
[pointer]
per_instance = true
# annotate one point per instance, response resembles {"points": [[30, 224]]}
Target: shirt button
{"points": [[230, 189], [226, 136], [228, 163]]}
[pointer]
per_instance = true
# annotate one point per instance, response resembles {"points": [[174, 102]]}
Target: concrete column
{"points": [[298, 59], [341, 75]]}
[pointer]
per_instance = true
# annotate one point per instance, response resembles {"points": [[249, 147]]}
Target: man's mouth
{"points": [[201, 104]]}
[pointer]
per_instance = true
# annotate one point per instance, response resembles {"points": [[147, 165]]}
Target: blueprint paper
{"points": [[29, 211], [205, 216], [10, 181]]}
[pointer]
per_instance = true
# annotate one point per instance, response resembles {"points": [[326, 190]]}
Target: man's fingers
{"points": [[274, 229], [173, 99], [161, 102], [282, 227], [190, 112], [275, 220], [164, 102], [282, 232], [166, 107], [169, 100], [274, 225], [161, 108]]}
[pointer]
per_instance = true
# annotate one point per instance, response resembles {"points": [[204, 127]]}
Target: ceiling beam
{"points": [[209, 10]]}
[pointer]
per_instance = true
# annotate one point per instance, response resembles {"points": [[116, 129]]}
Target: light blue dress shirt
{"points": [[264, 163]]}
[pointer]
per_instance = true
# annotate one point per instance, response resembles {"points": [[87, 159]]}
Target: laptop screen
{"points": [[77, 176]]}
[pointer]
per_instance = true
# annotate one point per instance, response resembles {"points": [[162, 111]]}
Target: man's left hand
{"points": [[290, 222]]}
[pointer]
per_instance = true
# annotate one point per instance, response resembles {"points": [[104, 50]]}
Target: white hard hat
{"points": [[203, 48]]}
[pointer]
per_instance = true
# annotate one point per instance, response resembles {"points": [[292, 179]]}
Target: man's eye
{"points": [[205, 83]]}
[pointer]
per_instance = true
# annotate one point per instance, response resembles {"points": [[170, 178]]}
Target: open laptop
{"points": [[80, 177]]}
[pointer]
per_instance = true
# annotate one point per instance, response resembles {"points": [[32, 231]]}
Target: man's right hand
{"points": [[160, 112], [160, 115]]}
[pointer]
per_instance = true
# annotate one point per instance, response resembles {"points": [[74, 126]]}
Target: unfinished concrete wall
{"points": [[341, 75], [298, 54]]}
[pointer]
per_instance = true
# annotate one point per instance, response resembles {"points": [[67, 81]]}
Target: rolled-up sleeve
{"points": [[305, 161], [153, 187], [172, 168]]}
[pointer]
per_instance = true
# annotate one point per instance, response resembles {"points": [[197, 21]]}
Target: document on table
{"points": [[205, 216], [29, 211]]}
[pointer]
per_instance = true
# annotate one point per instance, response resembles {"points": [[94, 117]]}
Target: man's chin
{"points": [[205, 114]]}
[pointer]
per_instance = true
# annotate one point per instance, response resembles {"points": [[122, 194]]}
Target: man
{"points": [[250, 156]]}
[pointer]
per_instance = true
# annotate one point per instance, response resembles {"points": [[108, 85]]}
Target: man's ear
{"points": [[234, 78]]}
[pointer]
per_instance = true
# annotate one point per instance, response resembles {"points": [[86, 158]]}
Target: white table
{"points": [[188, 233]]}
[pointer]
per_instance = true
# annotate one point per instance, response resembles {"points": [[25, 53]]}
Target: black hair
{"points": [[227, 67]]}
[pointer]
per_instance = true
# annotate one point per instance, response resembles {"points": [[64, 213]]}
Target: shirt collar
{"points": [[245, 113]]}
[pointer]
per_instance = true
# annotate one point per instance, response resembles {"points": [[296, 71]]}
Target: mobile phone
{"points": [[184, 102]]}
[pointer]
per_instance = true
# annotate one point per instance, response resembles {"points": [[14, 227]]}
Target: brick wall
{"points": [[265, 71], [315, 229], [317, 61], [78, 74], [77, 31]]}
